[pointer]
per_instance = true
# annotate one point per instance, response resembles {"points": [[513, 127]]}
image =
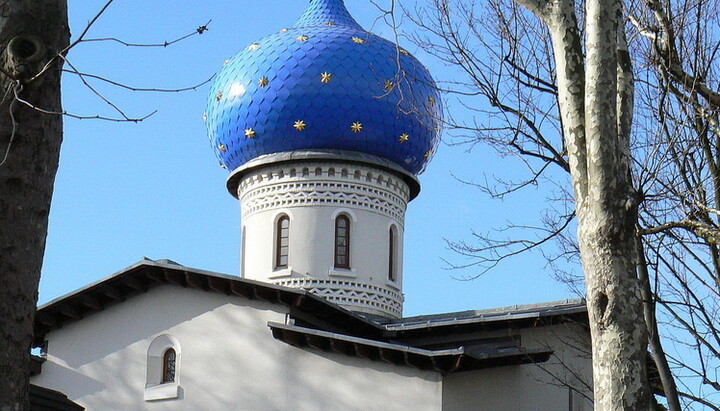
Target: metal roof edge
{"points": [[444, 361], [516, 312], [365, 341]]}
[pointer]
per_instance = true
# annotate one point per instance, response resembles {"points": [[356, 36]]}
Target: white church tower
{"points": [[324, 127]]}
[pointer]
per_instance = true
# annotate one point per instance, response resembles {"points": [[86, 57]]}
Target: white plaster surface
{"points": [[230, 361], [313, 195], [530, 387]]}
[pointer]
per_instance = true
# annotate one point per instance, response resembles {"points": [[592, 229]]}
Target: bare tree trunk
{"points": [[32, 35], [596, 124], [606, 226], [606, 229]]}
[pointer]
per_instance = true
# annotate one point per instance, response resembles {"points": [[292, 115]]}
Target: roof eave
{"points": [[443, 361], [148, 274]]}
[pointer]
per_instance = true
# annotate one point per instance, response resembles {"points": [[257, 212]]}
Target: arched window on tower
{"points": [[392, 257], [282, 241], [168, 374], [342, 242]]}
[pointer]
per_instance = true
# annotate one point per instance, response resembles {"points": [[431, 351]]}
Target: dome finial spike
{"points": [[327, 13]]}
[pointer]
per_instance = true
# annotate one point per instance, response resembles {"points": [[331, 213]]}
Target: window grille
{"points": [[391, 254], [168, 374], [342, 242]]}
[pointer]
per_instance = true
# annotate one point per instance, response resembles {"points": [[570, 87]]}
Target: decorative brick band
{"points": [[324, 184], [351, 294]]}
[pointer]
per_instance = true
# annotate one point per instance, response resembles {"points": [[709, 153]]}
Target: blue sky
{"points": [[126, 190]]}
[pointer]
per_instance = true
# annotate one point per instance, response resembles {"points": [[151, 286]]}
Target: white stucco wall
{"points": [[312, 195], [530, 387], [228, 361]]}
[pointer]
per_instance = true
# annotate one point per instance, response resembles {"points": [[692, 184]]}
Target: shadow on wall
{"points": [[82, 384], [229, 361], [250, 370], [562, 383]]}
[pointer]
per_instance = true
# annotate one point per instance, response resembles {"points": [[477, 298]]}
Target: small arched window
{"points": [[168, 374], [164, 361], [392, 274], [342, 242], [282, 241]]}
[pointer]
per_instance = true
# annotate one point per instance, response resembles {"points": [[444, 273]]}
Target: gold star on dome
{"points": [[226, 62], [204, 116], [249, 133], [302, 38], [222, 165], [431, 101], [299, 125], [263, 82], [222, 147], [329, 23], [253, 47], [428, 154], [404, 52], [358, 40], [219, 95], [283, 30], [356, 127], [325, 77], [389, 85], [404, 137]]}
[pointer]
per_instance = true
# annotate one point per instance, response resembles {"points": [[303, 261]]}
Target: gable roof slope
{"points": [[309, 310]]}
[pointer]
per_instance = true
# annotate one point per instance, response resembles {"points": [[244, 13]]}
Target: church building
{"points": [[324, 128]]}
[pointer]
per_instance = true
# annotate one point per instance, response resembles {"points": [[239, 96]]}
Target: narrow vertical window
{"points": [[282, 242], [391, 254], [168, 374], [342, 242]]}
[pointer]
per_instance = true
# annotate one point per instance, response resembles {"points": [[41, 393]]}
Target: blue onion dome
{"points": [[325, 83]]}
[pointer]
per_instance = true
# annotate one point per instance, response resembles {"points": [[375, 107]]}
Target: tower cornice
{"points": [[300, 156]]}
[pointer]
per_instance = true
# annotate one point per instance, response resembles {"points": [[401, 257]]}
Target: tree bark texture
{"points": [[32, 36], [606, 229], [595, 102]]}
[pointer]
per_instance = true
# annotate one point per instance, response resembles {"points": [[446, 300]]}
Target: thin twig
{"points": [[139, 89], [200, 30], [79, 117], [94, 91], [74, 43]]}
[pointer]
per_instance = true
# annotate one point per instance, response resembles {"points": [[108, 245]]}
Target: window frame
{"points": [[279, 240], [392, 254], [157, 387], [336, 243]]}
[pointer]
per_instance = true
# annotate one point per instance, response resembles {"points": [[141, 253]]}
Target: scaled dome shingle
{"points": [[324, 83]]}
